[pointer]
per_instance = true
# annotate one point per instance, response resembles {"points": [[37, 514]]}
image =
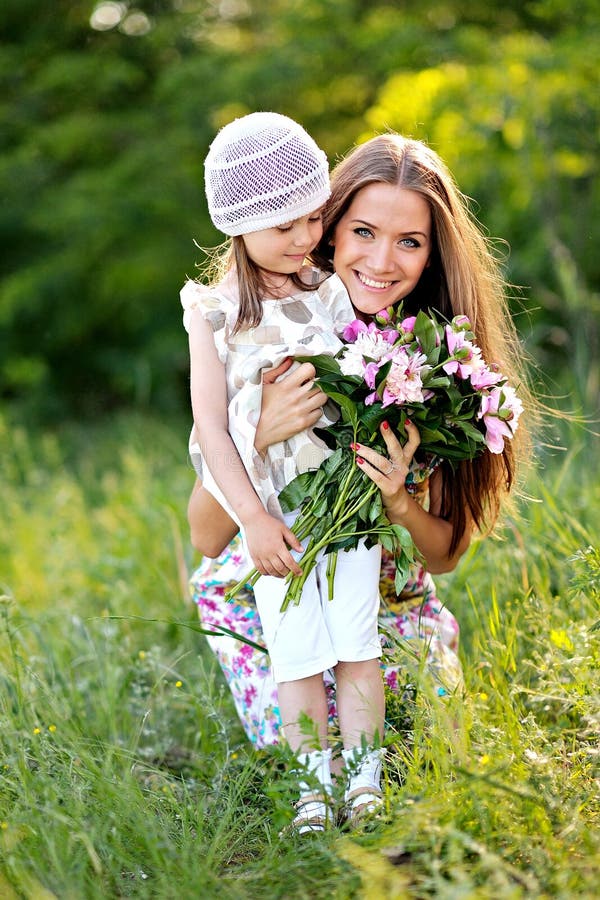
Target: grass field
{"points": [[124, 773]]}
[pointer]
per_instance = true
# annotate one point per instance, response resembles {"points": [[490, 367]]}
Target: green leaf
{"points": [[322, 363], [347, 543], [402, 536], [429, 435], [375, 508], [293, 494], [347, 407], [425, 331], [436, 381], [402, 572], [335, 463], [387, 541]]}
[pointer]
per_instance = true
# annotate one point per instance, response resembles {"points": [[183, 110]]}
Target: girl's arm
{"points": [[268, 538], [431, 534], [288, 407]]}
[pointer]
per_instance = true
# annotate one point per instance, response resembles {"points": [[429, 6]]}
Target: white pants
{"points": [[316, 634]]}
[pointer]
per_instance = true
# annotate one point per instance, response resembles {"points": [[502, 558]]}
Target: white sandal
{"points": [[363, 803], [314, 821]]}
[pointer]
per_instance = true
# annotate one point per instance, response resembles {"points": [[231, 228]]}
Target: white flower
{"points": [[369, 345], [351, 363]]}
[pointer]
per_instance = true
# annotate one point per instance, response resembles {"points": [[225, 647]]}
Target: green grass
{"points": [[124, 772]]}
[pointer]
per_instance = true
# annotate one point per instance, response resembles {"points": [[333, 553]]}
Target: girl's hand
{"points": [[269, 541], [288, 406], [389, 472]]}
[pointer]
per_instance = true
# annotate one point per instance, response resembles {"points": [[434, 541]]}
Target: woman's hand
{"points": [[289, 406], [431, 534], [389, 472]]}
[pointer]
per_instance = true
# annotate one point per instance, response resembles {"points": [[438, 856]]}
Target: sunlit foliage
{"points": [[108, 108]]}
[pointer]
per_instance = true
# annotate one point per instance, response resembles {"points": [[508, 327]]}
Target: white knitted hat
{"points": [[261, 171]]}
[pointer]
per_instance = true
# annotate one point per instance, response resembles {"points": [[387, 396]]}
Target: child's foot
{"points": [[314, 812], [363, 803], [313, 815], [363, 796]]}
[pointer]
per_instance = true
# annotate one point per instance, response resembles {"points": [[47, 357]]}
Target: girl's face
{"points": [[382, 244], [282, 250]]}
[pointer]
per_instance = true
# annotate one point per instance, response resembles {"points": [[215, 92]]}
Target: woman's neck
{"points": [[363, 317]]}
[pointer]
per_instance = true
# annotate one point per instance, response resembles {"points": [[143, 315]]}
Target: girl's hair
{"points": [[463, 277], [232, 257]]}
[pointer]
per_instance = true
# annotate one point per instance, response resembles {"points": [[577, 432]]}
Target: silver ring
{"points": [[393, 468]]}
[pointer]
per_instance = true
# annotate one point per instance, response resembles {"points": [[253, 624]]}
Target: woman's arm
{"points": [[211, 528], [268, 538], [288, 407], [431, 534]]}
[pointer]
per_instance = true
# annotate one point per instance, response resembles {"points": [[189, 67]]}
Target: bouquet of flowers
{"points": [[393, 369]]}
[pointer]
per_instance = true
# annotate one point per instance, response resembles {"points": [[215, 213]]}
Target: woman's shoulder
{"points": [[421, 469]]}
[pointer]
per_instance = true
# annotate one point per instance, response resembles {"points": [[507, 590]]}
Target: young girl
{"points": [[266, 182], [374, 231]]}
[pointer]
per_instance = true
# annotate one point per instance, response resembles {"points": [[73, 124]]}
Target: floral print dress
{"points": [[416, 630]]}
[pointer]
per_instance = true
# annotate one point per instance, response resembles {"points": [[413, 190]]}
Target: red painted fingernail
{"points": [[359, 461], [385, 425], [354, 446], [407, 422]]}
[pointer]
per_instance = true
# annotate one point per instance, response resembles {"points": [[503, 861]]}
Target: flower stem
{"points": [[331, 567]]}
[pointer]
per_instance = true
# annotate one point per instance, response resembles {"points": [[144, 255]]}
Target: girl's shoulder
{"points": [[312, 277], [216, 303], [334, 296]]}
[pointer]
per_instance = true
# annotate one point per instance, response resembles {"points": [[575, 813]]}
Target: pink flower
{"points": [[485, 377], [352, 331], [391, 678], [408, 324], [466, 356], [403, 383], [370, 374], [250, 694], [462, 323], [390, 335], [500, 410]]}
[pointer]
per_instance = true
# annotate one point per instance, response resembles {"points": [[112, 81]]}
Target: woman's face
{"points": [[382, 244]]}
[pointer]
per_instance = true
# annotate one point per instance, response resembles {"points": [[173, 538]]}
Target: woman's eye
{"points": [[410, 242], [284, 228], [363, 232], [316, 218]]}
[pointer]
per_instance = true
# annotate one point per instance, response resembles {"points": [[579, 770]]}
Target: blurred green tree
{"points": [[108, 108], [517, 122]]}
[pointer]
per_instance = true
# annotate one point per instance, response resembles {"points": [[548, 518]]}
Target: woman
{"points": [[395, 228]]}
